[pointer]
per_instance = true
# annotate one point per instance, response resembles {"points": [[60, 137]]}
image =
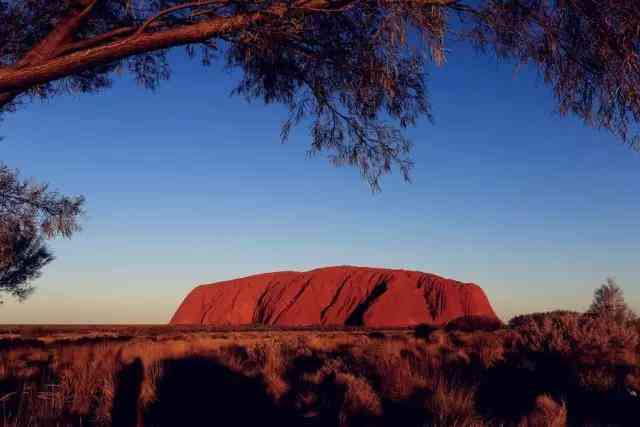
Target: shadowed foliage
{"points": [[424, 330], [127, 393], [199, 391], [22, 257], [474, 323]]}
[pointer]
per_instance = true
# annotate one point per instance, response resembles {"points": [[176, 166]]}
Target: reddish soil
{"points": [[356, 296]]}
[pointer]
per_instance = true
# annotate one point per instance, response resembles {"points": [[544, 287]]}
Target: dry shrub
{"points": [[585, 339], [455, 357], [398, 376], [632, 380], [361, 402], [488, 348], [86, 377], [324, 383], [153, 373], [546, 413], [474, 324], [376, 335], [585, 358], [438, 338], [525, 319], [597, 378], [424, 330], [273, 366], [74, 379], [452, 403]]}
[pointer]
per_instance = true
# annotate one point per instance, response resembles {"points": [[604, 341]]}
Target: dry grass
{"points": [[543, 370], [547, 412], [452, 404]]}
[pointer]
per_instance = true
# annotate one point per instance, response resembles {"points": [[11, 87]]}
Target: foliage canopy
{"points": [[30, 213], [355, 68]]}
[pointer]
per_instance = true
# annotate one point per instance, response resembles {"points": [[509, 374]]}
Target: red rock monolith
{"points": [[357, 296]]}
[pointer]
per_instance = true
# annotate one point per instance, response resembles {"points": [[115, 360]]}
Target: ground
{"points": [[543, 371]]}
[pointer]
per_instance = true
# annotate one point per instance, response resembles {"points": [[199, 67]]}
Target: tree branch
{"points": [[20, 79], [96, 41], [343, 5], [47, 47], [173, 9], [87, 54]]}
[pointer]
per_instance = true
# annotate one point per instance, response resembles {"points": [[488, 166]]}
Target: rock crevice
{"points": [[356, 318]]}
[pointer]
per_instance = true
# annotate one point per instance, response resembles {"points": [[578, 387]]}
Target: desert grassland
{"points": [[550, 369]]}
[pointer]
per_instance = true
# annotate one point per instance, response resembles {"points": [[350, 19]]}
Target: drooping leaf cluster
{"points": [[354, 74], [587, 50], [30, 213]]}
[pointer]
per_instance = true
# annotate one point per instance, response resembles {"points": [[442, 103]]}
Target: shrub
{"points": [[632, 381], [451, 403], [525, 319], [547, 412], [398, 375], [474, 323], [361, 403], [376, 335], [424, 330], [487, 348], [582, 338], [636, 325]]}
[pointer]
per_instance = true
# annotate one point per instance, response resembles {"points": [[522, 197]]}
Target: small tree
{"points": [[608, 301], [30, 213]]}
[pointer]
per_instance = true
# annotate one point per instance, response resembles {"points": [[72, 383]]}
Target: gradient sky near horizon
{"points": [[188, 185]]}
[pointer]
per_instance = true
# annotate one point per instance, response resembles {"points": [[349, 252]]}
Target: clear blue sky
{"points": [[188, 185]]}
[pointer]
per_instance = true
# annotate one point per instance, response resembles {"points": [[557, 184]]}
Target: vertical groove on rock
{"points": [[465, 296], [293, 300], [259, 313], [235, 299], [205, 311], [434, 298], [334, 299]]}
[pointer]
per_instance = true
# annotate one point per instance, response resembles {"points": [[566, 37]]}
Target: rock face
{"points": [[355, 296]]}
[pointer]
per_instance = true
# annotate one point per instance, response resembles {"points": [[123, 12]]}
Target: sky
{"points": [[189, 185]]}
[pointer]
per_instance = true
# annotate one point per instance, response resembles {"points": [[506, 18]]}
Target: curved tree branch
{"points": [[193, 5], [14, 79], [48, 47]]}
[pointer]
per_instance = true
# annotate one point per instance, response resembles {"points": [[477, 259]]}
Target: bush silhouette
{"points": [[199, 391], [473, 324], [424, 330]]}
